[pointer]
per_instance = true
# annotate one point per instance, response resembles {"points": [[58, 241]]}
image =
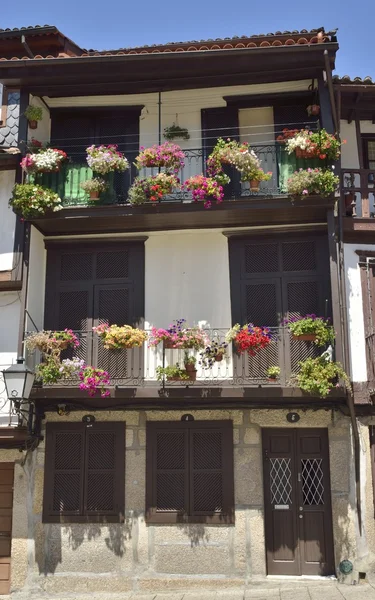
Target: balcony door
{"points": [[74, 130], [90, 285], [272, 280]]}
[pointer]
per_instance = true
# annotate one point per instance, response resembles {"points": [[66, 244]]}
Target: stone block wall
{"points": [[134, 556]]}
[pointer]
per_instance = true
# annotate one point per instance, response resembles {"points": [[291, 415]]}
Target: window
{"points": [[189, 472], [369, 152], [84, 473]]}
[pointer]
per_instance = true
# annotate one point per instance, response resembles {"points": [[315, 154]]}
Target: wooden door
{"points": [[297, 496], [6, 507]]}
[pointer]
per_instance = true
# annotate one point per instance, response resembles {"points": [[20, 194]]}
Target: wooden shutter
{"points": [[189, 472], [84, 472], [64, 471], [73, 133]]}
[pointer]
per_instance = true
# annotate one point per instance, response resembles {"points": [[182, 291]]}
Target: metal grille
{"points": [[111, 265], [76, 266], [115, 362], [207, 450], [261, 304], [100, 492], [66, 492], [73, 310], [300, 350], [101, 451], [299, 256], [269, 357], [312, 482], [114, 306], [170, 450], [281, 481], [170, 492], [208, 492], [303, 298], [261, 258], [68, 448]]}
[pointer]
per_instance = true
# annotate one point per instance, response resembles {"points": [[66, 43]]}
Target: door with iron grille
{"points": [[90, 285], [297, 496]]}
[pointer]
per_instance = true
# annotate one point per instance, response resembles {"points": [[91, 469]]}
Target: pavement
{"points": [[270, 590]]}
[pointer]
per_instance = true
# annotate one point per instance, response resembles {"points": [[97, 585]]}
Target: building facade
{"points": [[168, 484]]}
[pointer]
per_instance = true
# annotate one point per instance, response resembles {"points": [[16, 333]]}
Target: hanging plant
{"points": [[248, 338], [115, 337], [152, 189], [205, 189], [52, 342], [45, 160], [311, 328], [312, 182], [106, 159], [318, 376], [178, 336], [213, 352], [167, 155], [94, 380], [174, 132], [31, 200], [33, 114]]}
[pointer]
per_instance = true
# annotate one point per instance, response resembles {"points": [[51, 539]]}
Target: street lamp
{"points": [[18, 379]]}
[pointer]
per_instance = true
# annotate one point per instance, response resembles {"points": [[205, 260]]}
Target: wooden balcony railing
{"points": [[274, 158], [137, 366], [358, 192]]}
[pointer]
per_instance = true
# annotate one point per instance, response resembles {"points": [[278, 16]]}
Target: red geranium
{"points": [[251, 339]]}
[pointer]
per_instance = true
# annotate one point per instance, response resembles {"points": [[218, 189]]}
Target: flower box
{"points": [[306, 337]]}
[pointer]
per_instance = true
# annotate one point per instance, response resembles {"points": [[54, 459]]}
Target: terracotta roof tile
{"points": [[262, 40], [347, 80]]}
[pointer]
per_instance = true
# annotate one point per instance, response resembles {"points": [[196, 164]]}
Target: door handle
{"points": [[301, 508], [300, 516]]}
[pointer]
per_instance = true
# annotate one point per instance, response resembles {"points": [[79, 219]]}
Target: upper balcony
{"points": [[358, 203]]}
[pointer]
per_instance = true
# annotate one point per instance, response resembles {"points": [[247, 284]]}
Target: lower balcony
{"points": [[133, 372]]}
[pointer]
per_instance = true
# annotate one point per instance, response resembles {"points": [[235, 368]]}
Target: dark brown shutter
{"points": [[73, 133], [64, 471], [105, 468], [84, 472], [211, 489], [189, 472]]}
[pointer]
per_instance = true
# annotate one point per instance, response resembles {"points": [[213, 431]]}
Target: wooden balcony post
{"points": [[336, 289]]}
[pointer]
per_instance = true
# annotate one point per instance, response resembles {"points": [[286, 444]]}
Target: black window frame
{"points": [[366, 138], [224, 517], [84, 516]]}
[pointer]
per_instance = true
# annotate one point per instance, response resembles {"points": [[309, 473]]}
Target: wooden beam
{"points": [[353, 109]]}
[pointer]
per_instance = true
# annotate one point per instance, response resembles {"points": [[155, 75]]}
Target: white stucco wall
{"points": [[43, 132], [187, 275], [37, 276], [7, 220], [349, 151], [9, 319], [355, 311]]}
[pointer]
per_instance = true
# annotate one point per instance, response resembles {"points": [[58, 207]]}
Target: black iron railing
{"points": [[138, 366], [274, 159]]}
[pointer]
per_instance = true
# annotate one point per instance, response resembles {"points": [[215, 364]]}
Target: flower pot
{"points": [[306, 337], [94, 195], [169, 345], [189, 368], [192, 377], [254, 185], [219, 357], [33, 124], [314, 110], [272, 379], [301, 153]]}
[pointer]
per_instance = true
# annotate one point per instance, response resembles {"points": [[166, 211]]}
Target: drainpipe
{"points": [[342, 292], [159, 106]]}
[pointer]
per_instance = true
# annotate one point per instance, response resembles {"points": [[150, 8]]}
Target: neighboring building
{"points": [[229, 478], [355, 105]]}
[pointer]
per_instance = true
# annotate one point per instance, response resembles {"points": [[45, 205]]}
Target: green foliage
{"points": [[325, 334], [175, 131], [189, 360], [273, 372], [49, 371], [170, 372], [305, 182], [34, 113], [31, 200], [318, 376]]}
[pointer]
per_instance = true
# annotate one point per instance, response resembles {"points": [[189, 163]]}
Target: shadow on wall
{"points": [[58, 538], [344, 539], [195, 533]]}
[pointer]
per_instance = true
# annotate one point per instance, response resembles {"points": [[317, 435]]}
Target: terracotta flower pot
{"points": [[33, 124], [315, 110], [272, 379], [307, 337], [94, 195], [219, 357], [189, 367], [300, 153], [169, 345], [254, 185]]}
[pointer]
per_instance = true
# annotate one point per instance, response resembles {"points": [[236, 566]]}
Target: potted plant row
{"points": [[312, 182]]}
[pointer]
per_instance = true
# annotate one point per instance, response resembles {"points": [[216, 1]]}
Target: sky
{"points": [[120, 23]]}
